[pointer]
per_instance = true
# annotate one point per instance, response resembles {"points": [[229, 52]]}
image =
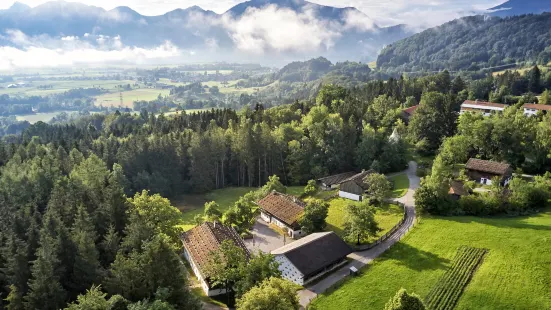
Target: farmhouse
{"points": [[284, 211], [333, 181], [354, 187], [483, 171], [533, 109], [200, 242], [311, 257], [457, 190], [486, 108]]}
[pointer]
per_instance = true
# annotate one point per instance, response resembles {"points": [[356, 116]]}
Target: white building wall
{"points": [[530, 112], [350, 196], [204, 285], [288, 270], [265, 217]]}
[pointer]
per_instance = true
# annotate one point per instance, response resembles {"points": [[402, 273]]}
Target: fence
{"points": [[388, 234]]}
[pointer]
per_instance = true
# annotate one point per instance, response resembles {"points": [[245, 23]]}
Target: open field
{"points": [[386, 217], [128, 97], [516, 273], [62, 86], [192, 205], [401, 185], [230, 87]]}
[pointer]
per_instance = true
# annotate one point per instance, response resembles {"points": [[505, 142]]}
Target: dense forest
{"points": [[472, 43]]}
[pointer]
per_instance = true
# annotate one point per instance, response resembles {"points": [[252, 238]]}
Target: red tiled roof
{"points": [[487, 104], [204, 239], [541, 107], [411, 110], [286, 208]]}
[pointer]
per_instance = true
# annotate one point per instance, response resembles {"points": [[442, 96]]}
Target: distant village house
{"points": [[283, 211], [311, 257], [484, 171], [199, 244], [486, 108]]}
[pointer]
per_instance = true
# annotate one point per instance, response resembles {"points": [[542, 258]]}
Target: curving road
{"points": [[360, 259]]}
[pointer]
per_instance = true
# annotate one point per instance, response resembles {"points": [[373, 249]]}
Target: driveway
{"points": [[360, 259], [265, 239]]}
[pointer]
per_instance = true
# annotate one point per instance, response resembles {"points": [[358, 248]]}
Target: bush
{"points": [[472, 205]]}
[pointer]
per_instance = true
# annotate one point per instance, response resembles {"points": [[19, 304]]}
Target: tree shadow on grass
{"points": [[415, 259], [518, 222]]}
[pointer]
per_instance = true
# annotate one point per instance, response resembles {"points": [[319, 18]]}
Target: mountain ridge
{"points": [[199, 30]]}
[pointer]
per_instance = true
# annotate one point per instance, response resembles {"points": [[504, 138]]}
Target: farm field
{"points": [[192, 205], [113, 99], [515, 274], [62, 86], [386, 216], [401, 185]]}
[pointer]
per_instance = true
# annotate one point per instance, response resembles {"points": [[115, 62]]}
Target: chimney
{"points": [[214, 224]]}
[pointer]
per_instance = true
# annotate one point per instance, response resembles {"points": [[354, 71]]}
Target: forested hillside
{"points": [[472, 43], [67, 223]]}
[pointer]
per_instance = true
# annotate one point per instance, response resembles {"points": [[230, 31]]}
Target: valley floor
{"points": [[515, 274]]}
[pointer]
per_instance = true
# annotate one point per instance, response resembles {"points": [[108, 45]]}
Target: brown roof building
{"points": [[484, 171], [457, 189], [282, 210], [199, 244]]}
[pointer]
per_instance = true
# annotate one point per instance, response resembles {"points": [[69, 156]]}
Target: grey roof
{"points": [[313, 253], [355, 184], [337, 178]]}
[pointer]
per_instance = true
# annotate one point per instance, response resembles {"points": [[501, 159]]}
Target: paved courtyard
{"points": [[265, 239]]}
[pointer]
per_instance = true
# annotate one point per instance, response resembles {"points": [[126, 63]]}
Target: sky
{"points": [[384, 12]]}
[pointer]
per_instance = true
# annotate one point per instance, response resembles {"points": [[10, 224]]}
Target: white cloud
{"points": [[281, 30], [41, 52]]}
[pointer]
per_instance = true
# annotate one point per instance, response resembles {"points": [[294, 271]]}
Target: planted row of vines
{"points": [[447, 291]]}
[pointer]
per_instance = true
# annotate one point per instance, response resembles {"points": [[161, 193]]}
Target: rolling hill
{"points": [[472, 43]]}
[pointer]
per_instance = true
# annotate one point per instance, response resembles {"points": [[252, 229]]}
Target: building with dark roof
{"points": [[483, 171], [284, 211], [199, 244], [311, 257], [355, 186], [333, 181]]}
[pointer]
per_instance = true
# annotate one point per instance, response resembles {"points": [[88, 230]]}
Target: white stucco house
{"points": [[199, 244], [311, 257], [531, 109], [283, 211]]}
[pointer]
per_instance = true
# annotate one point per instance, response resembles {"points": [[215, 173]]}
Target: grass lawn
{"points": [[386, 217], [401, 185], [515, 274], [192, 205], [295, 190]]}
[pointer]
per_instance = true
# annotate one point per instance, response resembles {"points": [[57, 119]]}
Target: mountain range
{"points": [[336, 33], [265, 31]]}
